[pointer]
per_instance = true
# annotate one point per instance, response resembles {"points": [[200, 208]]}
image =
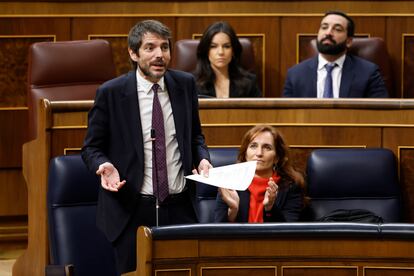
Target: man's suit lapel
{"points": [[346, 79], [130, 110], [313, 73], [177, 98]]}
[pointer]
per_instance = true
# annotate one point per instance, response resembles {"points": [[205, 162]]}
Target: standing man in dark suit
{"points": [[120, 138], [334, 73]]}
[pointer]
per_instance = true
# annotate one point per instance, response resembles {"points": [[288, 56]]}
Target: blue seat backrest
{"points": [[354, 179], [206, 194], [71, 202]]}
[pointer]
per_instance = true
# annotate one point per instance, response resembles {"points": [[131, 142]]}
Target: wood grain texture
{"points": [[284, 256]]}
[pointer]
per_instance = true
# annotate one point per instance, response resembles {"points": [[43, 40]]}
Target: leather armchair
{"points": [[67, 70], [354, 179], [184, 57], [75, 240], [206, 194], [373, 49]]}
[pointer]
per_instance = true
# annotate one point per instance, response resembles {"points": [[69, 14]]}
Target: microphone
{"points": [[157, 206]]}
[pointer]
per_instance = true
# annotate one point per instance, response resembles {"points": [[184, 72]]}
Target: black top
{"points": [[252, 90]]}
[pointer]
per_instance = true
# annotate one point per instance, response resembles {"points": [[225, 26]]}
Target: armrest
{"points": [[249, 230]]}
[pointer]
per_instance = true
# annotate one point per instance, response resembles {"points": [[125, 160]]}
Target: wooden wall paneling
{"points": [[407, 70], [299, 135], [406, 170], [173, 272], [243, 270], [318, 136], [388, 271], [399, 140], [370, 24], [67, 141], [13, 193], [13, 67], [68, 131], [13, 236], [12, 135], [16, 35], [396, 27], [301, 138], [291, 27], [202, 7], [57, 26], [320, 270], [304, 139], [281, 115], [265, 42], [224, 134], [115, 30], [373, 26], [119, 45]]}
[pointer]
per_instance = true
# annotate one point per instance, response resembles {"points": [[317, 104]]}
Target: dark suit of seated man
{"points": [[334, 73]]}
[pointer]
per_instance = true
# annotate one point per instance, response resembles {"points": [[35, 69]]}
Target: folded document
{"points": [[237, 176]]}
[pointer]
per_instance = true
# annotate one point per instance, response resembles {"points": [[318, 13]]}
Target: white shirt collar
{"points": [[322, 62]]}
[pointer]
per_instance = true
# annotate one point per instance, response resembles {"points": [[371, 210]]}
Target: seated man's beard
{"points": [[331, 49]]}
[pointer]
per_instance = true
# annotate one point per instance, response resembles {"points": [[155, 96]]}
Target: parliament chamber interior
{"points": [[54, 55]]}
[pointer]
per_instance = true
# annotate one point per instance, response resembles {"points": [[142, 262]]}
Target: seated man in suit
{"points": [[334, 73]]}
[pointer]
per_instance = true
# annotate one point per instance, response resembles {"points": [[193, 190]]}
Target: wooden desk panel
{"points": [[13, 194], [12, 136], [316, 136], [273, 255], [306, 123]]}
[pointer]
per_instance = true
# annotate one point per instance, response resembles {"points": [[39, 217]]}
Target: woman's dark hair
{"points": [[204, 73], [283, 166]]}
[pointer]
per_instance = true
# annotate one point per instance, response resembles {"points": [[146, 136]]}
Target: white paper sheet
{"points": [[237, 176]]}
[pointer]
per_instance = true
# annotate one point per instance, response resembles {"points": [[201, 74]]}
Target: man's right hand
{"points": [[110, 177]]}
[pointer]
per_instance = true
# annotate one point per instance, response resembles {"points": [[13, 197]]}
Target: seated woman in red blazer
{"points": [[276, 193]]}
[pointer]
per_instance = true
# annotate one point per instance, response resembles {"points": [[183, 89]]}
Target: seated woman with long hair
{"points": [[276, 193], [218, 73]]}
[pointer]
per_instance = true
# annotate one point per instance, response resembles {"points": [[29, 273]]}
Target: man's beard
{"points": [[146, 71], [331, 49]]}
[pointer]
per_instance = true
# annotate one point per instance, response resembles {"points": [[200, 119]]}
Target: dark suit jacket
{"points": [[360, 79], [114, 135], [287, 208], [252, 90]]}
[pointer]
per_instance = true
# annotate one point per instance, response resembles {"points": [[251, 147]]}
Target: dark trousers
{"points": [[176, 209]]}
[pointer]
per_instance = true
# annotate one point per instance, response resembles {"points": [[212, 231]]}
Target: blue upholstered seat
{"points": [[206, 194], [354, 179], [72, 196], [71, 202]]}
